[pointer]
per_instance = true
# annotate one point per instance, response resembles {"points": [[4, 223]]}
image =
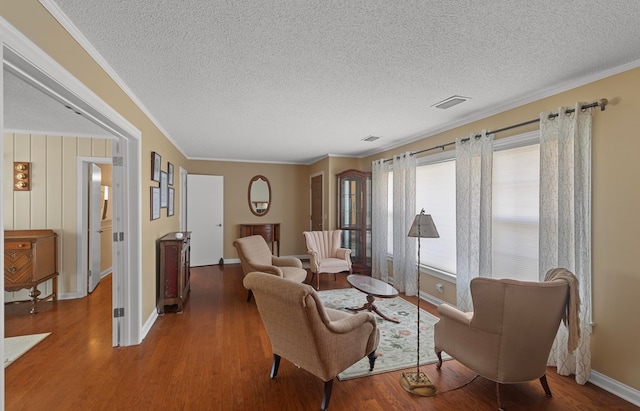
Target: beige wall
{"points": [[616, 198], [289, 195], [615, 217], [52, 201], [34, 21]]}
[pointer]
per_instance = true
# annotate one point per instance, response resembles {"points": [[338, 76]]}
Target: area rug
{"points": [[398, 342], [14, 347]]}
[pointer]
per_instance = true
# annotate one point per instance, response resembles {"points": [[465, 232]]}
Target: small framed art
{"points": [[171, 201], [170, 174], [163, 189], [155, 203], [156, 166]]}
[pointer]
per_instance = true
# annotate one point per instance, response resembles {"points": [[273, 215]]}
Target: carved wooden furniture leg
{"points": [[372, 360], [439, 365], [35, 293], [275, 366], [545, 385], [328, 385], [371, 307], [249, 295]]}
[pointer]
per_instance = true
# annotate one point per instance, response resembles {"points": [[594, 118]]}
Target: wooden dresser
{"points": [[270, 232], [173, 270], [30, 258]]}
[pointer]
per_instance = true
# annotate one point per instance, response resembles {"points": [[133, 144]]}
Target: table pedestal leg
{"points": [[371, 307]]}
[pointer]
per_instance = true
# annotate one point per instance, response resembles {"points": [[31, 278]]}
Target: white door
{"points": [[204, 218], [95, 200]]}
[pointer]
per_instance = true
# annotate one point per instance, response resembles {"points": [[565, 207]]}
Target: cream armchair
{"points": [[320, 340], [255, 255], [326, 254], [508, 336]]}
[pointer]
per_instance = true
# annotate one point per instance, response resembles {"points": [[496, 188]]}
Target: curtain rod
{"points": [[602, 103]]}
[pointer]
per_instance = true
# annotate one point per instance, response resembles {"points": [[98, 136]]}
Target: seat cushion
{"points": [[294, 274], [332, 265]]}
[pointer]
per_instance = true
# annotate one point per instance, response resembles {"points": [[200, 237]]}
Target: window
{"points": [[516, 163], [516, 180]]}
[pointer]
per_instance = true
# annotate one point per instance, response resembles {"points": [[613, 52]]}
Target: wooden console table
{"points": [[31, 258], [270, 232]]}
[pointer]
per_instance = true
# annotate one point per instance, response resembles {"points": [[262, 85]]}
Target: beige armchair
{"points": [[320, 340], [508, 336], [255, 255], [326, 254]]}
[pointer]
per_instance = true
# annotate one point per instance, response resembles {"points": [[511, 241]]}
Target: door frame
{"points": [[324, 222], [82, 222], [28, 61]]}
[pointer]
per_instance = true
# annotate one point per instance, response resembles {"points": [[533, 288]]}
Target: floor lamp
{"points": [[417, 382]]}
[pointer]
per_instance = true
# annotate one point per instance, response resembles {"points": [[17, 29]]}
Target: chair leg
{"points": [[439, 354], [326, 397], [372, 360], [499, 396], [249, 295], [275, 366], [545, 385]]}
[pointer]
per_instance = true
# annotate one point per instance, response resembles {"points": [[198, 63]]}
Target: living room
{"points": [[614, 202]]}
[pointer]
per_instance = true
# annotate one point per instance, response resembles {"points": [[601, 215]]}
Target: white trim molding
{"points": [[616, 388]]}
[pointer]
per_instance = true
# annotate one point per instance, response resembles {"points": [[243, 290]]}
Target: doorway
{"points": [[205, 199], [317, 201], [25, 60]]}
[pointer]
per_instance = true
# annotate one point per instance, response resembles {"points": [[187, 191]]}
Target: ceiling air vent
{"points": [[370, 138], [450, 102]]}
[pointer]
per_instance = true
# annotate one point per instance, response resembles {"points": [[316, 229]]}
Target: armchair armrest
{"points": [[286, 261], [348, 323], [452, 313], [344, 253], [269, 269]]}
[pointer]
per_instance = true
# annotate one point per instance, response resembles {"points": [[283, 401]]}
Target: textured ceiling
{"points": [[293, 81]]}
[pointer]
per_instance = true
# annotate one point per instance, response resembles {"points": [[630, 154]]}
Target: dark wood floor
{"points": [[216, 356]]}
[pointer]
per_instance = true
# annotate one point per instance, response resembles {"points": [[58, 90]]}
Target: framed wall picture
{"points": [[155, 203], [156, 166], [170, 174], [171, 201], [163, 189]]}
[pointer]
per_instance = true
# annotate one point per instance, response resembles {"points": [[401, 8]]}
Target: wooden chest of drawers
{"points": [[270, 232], [30, 258]]}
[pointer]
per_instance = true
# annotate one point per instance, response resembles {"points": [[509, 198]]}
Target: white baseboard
{"points": [[146, 327], [616, 388]]}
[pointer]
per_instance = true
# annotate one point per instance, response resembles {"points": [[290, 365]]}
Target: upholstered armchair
{"points": [[319, 340], [508, 336], [326, 254], [255, 255]]}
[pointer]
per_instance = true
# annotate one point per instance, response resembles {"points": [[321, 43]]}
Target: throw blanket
{"points": [[571, 316]]}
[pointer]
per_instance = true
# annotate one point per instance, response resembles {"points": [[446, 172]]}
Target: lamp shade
{"points": [[423, 227]]}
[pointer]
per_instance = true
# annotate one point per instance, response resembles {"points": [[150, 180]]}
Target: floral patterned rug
{"points": [[398, 342]]}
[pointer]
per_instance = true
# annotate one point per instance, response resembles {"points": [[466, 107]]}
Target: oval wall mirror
{"points": [[259, 195]]}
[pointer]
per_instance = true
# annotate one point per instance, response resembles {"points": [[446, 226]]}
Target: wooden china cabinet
{"points": [[354, 217]]}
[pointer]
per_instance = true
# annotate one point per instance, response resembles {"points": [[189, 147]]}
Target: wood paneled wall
{"points": [[52, 201]]}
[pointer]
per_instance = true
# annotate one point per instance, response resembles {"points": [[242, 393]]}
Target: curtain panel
{"points": [[565, 222], [474, 158], [380, 220], [404, 211]]}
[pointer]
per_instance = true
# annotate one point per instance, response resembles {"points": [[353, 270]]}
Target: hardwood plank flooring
{"points": [[216, 356]]}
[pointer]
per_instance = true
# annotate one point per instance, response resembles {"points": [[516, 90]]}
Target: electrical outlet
{"points": [[440, 288]]}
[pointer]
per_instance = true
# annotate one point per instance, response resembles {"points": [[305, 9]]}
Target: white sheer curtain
{"points": [[380, 219], [565, 222], [474, 159], [404, 211]]}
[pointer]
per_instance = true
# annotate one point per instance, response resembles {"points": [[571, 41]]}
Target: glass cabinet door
{"points": [[354, 217]]}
